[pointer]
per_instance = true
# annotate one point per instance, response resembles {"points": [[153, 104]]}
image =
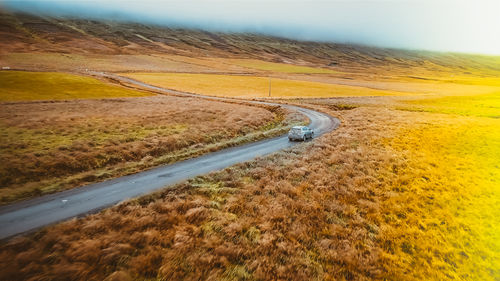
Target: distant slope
{"points": [[31, 33]]}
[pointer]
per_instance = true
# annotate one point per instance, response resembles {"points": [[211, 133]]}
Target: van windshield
{"points": [[295, 130]]}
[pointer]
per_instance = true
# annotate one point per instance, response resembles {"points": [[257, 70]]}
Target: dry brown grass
{"points": [[48, 146], [364, 202], [295, 215]]}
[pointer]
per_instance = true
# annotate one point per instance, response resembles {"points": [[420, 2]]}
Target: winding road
{"points": [[32, 214]]}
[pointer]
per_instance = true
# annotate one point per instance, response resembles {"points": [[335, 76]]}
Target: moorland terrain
{"points": [[407, 188], [56, 145]]}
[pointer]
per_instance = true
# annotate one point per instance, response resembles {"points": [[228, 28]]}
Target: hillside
{"points": [[139, 46]]}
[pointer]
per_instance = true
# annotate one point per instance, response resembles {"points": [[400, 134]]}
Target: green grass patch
{"points": [[27, 86]]}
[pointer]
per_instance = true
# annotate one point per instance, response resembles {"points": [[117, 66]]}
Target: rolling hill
{"points": [[138, 45]]}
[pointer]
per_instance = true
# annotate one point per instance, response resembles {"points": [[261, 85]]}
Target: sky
{"points": [[470, 26]]}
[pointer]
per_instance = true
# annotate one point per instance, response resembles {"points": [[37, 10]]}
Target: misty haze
{"points": [[443, 25]]}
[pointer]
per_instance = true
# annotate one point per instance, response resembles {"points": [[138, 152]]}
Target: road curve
{"points": [[32, 214]]}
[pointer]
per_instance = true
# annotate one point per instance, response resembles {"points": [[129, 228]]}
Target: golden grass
{"points": [[435, 87], [278, 67], [293, 216], [442, 220], [454, 183], [390, 195], [47, 147], [42, 61], [27, 86], [466, 80], [252, 86], [478, 97], [476, 105], [481, 105], [441, 217]]}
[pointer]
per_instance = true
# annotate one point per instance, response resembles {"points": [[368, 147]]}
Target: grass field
{"points": [[278, 67], [408, 187], [412, 85], [390, 195], [43, 61], [442, 221], [28, 86], [50, 146], [476, 105], [446, 216], [252, 86]]}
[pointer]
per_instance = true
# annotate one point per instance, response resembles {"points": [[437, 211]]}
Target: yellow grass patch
{"points": [[252, 86], [445, 221], [390, 195], [22, 86], [477, 105], [278, 67], [472, 80], [102, 62], [442, 219]]}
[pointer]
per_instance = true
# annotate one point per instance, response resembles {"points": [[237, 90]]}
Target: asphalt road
{"points": [[32, 214]]}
